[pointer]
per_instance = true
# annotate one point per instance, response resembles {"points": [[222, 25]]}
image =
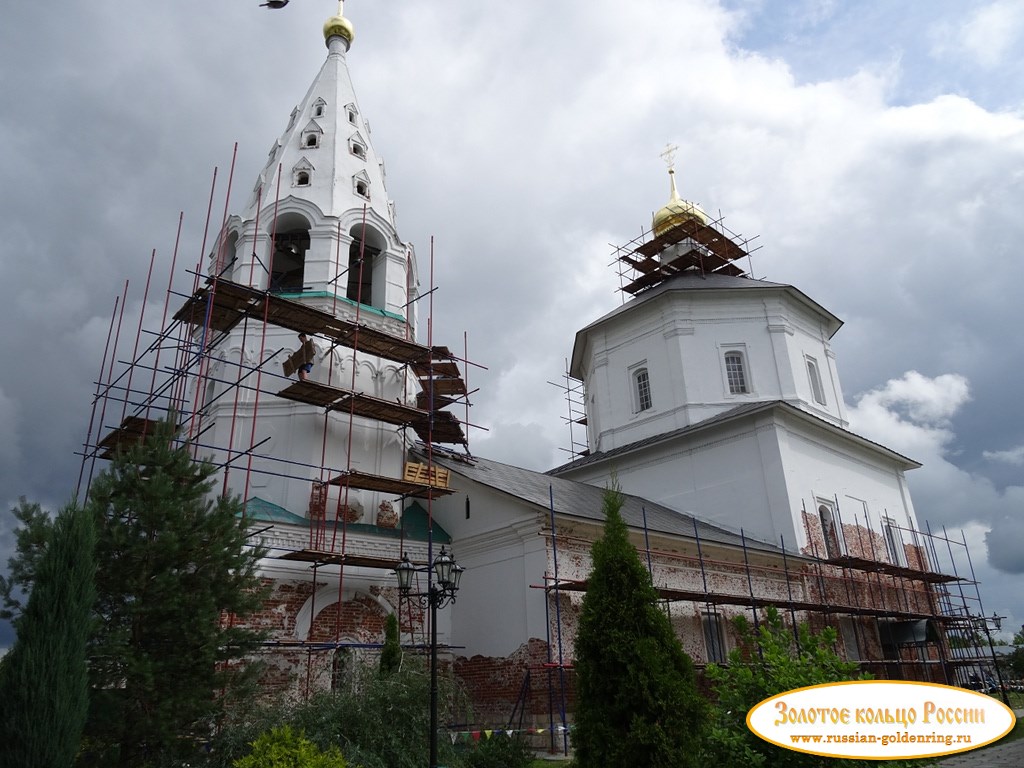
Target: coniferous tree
{"points": [[391, 653], [175, 572], [637, 702], [30, 540], [43, 680]]}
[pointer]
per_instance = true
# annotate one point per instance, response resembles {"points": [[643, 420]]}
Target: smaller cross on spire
{"points": [[669, 155]]}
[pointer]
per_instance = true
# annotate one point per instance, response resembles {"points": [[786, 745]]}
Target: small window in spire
{"points": [[312, 140], [358, 149], [319, 107], [363, 189], [302, 179], [353, 113]]}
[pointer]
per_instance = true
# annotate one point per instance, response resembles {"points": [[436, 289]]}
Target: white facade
{"points": [[718, 396], [318, 229], [683, 333]]}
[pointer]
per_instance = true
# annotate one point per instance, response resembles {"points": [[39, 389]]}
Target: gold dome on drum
{"points": [[676, 211], [340, 26]]}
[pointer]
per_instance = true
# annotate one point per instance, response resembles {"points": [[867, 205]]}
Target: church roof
{"points": [[704, 282], [739, 412], [572, 498]]}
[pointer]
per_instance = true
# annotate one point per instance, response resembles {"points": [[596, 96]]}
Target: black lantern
{"points": [[443, 578]]}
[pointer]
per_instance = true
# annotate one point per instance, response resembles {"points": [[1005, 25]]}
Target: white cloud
{"points": [[988, 36], [912, 415], [1013, 456]]}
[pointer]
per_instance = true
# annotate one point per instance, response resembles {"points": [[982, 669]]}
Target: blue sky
{"points": [[877, 149]]}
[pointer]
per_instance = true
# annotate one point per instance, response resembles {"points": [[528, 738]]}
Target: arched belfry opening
{"points": [[367, 245], [291, 243]]}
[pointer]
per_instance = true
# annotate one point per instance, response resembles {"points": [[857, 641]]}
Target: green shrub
{"points": [[767, 661], [499, 751], [284, 748]]}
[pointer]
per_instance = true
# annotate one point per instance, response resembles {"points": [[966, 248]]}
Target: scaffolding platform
{"points": [[320, 557], [129, 434], [399, 487], [446, 428]]}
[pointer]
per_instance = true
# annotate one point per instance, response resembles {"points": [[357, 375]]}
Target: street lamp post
{"points": [[997, 622], [443, 577]]}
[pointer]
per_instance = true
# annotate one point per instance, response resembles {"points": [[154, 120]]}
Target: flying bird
{"points": [[273, 4]]}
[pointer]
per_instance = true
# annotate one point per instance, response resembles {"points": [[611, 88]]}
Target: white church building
{"points": [[713, 399]]}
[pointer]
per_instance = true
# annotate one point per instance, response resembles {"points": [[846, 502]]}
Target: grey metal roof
{"points": [[582, 500], [694, 281], [739, 411]]}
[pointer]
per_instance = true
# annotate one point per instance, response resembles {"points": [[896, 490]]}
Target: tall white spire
{"points": [[318, 223], [325, 153]]}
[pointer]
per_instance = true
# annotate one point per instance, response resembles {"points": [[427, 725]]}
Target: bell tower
{"points": [[319, 226]]}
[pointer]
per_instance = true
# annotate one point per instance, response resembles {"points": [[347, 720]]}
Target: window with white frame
{"points": [[714, 636], [642, 400], [829, 529], [815, 380], [893, 542], [736, 373]]}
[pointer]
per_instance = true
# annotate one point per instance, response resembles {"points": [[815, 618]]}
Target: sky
{"points": [[876, 150]]}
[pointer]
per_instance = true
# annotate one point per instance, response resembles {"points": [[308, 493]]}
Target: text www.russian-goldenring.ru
{"points": [[885, 740]]}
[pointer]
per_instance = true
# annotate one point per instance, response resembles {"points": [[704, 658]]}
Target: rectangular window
{"points": [[815, 379], [893, 542], [829, 530], [735, 374], [848, 629], [714, 637], [643, 389]]}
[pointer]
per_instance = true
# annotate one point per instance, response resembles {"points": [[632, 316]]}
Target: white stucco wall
{"points": [[499, 545], [681, 337], [760, 473]]}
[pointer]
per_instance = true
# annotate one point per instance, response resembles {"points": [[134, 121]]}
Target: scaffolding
{"points": [[184, 388], [912, 621]]}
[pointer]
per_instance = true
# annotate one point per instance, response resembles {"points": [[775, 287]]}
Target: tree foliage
{"points": [[769, 660], [31, 536], [380, 721], [637, 703], [43, 680], [391, 653], [284, 748], [175, 562]]}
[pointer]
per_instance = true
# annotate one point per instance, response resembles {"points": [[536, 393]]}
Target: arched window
{"points": [[311, 140], [366, 245], [642, 400], [362, 189], [735, 373], [291, 241], [358, 150], [302, 179]]}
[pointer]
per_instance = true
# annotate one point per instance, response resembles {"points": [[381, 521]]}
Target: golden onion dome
{"points": [[676, 211], [340, 26]]}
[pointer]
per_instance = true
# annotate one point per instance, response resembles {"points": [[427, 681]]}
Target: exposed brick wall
{"points": [[494, 686]]}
